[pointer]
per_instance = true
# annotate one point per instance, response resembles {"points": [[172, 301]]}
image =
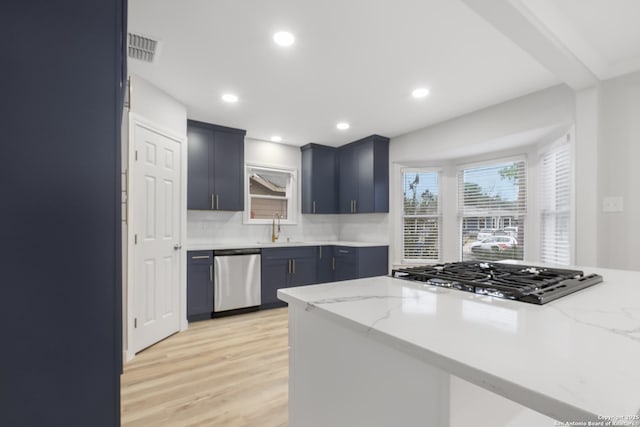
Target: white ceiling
{"points": [[603, 34], [355, 60]]}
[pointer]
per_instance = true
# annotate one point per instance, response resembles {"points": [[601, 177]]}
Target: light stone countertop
{"points": [[196, 245], [575, 358]]}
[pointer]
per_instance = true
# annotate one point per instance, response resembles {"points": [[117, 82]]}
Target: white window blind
{"points": [[493, 202], [555, 222], [421, 215]]}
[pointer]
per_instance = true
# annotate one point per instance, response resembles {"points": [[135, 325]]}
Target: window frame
{"points": [[291, 193], [566, 140], [438, 216], [461, 167]]}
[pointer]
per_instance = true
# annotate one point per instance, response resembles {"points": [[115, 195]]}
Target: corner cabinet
{"points": [[351, 179], [319, 179], [199, 285], [215, 171], [284, 268], [363, 171]]}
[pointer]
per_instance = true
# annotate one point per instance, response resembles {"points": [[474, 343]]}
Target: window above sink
{"points": [[271, 194]]}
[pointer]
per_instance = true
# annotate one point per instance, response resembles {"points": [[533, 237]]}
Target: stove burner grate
{"points": [[536, 285]]}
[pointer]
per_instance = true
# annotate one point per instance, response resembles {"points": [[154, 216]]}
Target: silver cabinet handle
{"points": [[333, 264], [217, 202], [355, 206], [320, 252], [293, 261], [213, 206], [314, 206], [210, 272], [342, 251], [289, 266], [200, 257]]}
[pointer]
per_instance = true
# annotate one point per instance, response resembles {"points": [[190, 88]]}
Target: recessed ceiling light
{"points": [[276, 138], [343, 125], [420, 92], [229, 97], [283, 38]]}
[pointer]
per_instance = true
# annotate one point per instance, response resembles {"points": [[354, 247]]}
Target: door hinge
{"points": [[135, 322], [136, 155]]}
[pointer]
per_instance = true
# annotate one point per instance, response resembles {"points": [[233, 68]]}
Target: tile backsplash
{"points": [[224, 227]]}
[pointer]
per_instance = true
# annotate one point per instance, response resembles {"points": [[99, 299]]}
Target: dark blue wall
{"points": [[60, 270]]}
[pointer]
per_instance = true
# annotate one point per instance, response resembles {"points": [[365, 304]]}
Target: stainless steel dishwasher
{"points": [[236, 279]]}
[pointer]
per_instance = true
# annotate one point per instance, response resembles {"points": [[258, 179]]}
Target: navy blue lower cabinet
{"points": [[345, 263], [359, 262], [325, 264], [274, 276], [373, 261], [284, 268], [304, 266], [199, 285]]}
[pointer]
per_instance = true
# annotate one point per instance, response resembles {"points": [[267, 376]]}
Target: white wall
{"points": [[515, 127], [499, 127], [619, 171], [365, 228], [153, 104]]}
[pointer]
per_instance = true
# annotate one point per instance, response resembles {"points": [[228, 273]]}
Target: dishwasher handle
{"points": [[232, 252]]}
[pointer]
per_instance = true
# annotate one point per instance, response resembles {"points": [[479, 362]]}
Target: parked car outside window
{"points": [[494, 244], [486, 232]]}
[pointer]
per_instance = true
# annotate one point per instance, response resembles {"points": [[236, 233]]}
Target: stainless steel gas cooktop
{"points": [[536, 285]]}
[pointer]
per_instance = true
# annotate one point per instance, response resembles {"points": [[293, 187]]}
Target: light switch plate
{"points": [[612, 204]]}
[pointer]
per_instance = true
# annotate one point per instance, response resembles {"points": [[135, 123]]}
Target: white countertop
{"points": [[209, 245], [575, 358]]}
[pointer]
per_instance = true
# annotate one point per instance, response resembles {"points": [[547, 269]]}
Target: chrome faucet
{"points": [[275, 236]]}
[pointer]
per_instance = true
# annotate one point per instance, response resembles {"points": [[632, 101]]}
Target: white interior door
{"points": [[156, 227]]}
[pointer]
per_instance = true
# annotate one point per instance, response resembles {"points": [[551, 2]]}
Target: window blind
{"points": [[269, 193], [421, 215], [555, 223], [492, 202]]}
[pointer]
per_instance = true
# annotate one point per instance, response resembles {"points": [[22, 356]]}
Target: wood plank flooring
{"points": [[231, 371]]}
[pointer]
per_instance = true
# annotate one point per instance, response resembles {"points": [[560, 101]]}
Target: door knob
{"points": [[177, 246]]}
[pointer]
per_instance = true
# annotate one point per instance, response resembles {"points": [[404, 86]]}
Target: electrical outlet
{"points": [[612, 204]]}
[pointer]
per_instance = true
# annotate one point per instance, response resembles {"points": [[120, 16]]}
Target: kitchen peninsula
{"points": [[383, 351]]}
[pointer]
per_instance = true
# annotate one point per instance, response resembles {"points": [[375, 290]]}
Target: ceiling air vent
{"points": [[142, 48]]}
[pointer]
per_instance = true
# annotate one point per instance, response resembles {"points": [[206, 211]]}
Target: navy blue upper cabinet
{"points": [[347, 178], [364, 176], [199, 143], [362, 181], [215, 171], [319, 179]]}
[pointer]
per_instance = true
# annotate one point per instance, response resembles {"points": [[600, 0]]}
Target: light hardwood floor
{"points": [[231, 371]]}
